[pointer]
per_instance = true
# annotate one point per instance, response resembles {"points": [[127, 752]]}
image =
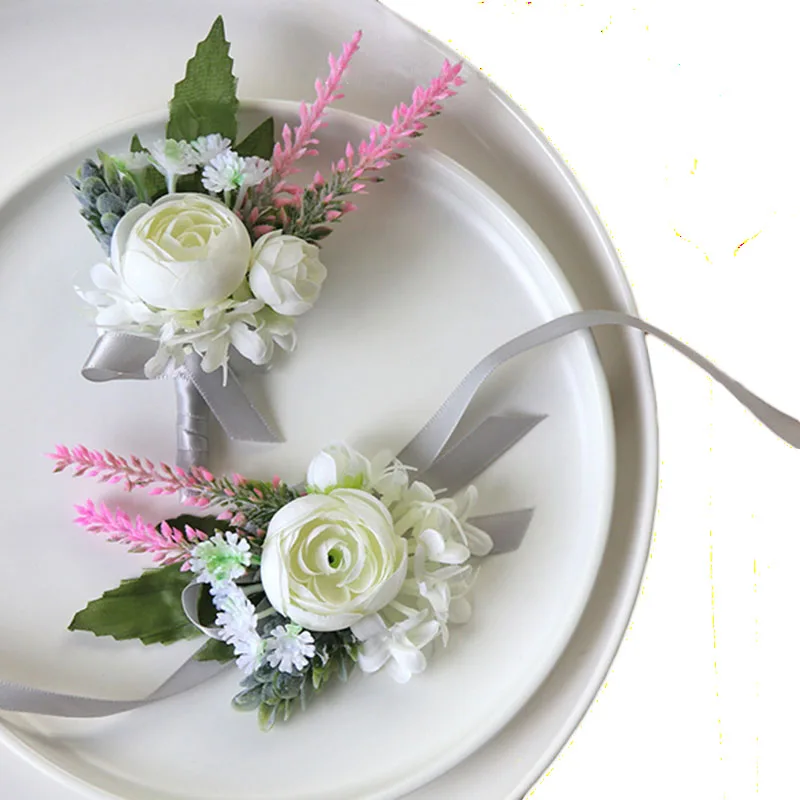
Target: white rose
{"points": [[338, 466], [286, 273], [330, 560], [185, 252]]}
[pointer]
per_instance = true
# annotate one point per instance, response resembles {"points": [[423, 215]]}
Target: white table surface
{"points": [[679, 120]]}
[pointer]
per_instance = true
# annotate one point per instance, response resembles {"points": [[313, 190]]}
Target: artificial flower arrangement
{"points": [[210, 245], [358, 566]]}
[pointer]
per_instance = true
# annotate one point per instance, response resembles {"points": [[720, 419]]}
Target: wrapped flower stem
{"points": [[191, 425]]}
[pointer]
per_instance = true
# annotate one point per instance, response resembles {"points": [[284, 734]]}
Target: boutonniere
{"points": [[211, 247]]}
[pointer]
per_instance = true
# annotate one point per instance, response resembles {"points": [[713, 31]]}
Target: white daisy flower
{"points": [[209, 147], [237, 622], [172, 158], [289, 648], [255, 171], [221, 559], [224, 173]]}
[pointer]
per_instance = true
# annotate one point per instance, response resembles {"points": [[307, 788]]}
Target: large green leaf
{"points": [[146, 608], [205, 100], [259, 142]]}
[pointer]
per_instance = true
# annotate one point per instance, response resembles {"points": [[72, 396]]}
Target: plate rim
{"points": [[646, 402]]}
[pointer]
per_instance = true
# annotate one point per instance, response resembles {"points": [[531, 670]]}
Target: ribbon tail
{"points": [[470, 456], [229, 403], [15, 697], [423, 450], [506, 530]]}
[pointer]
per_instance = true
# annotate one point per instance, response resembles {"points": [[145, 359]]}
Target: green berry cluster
{"points": [[105, 196], [277, 694]]}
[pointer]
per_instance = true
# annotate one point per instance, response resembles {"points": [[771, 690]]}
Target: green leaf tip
{"points": [[147, 608], [205, 100], [214, 650], [259, 142]]}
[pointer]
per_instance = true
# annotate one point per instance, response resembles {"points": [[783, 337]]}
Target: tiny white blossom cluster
{"points": [[437, 573], [219, 561], [224, 170]]}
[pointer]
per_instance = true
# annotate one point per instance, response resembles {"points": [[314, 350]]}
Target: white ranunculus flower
{"points": [[338, 466], [286, 273], [330, 560], [185, 252]]}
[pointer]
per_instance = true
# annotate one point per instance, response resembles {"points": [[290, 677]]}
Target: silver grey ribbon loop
{"points": [[423, 450], [122, 356], [16, 697], [190, 598], [470, 456]]}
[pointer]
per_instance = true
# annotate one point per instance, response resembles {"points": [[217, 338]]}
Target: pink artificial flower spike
{"points": [[300, 142], [350, 173], [384, 142], [198, 488], [131, 473], [168, 544]]}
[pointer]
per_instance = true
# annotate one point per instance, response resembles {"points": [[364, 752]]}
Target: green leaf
{"points": [[146, 608], [205, 100], [259, 142], [136, 144], [111, 173], [155, 183], [215, 650], [207, 524]]}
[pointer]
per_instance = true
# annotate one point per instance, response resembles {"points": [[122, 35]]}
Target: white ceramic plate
{"points": [[431, 273], [57, 91]]}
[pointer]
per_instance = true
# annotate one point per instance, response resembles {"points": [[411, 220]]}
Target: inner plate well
{"points": [[432, 273]]}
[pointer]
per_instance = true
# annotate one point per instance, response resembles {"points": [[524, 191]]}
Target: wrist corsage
{"points": [[361, 565]]}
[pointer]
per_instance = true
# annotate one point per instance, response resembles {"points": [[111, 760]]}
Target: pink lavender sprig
{"points": [[322, 202], [133, 473], [300, 141], [384, 142], [168, 544], [242, 503]]}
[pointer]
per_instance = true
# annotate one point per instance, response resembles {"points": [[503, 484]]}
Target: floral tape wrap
{"points": [[122, 356], [430, 451]]}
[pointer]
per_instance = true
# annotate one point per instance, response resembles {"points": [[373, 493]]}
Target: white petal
{"points": [[479, 542], [322, 472], [248, 343], [119, 239]]}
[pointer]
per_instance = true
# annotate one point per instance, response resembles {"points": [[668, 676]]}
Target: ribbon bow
{"points": [[122, 356]]}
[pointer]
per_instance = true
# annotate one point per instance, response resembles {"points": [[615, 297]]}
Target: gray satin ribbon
{"points": [[190, 598], [432, 453], [16, 697], [423, 450], [122, 356]]}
